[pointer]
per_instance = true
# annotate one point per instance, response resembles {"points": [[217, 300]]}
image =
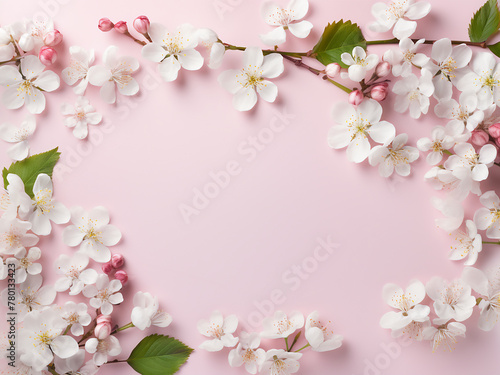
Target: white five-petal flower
{"points": [[451, 300], [77, 316], [115, 73], [467, 157], [355, 125], [78, 68], [245, 83], [46, 209], [359, 64], [75, 274], [321, 336], [248, 353], [146, 312], [408, 304], [413, 93], [19, 136], [102, 349], [27, 88], [468, 243], [104, 294], [439, 142], [397, 157], [173, 50], [395, 14], [220, 331], [449, 68], [285, 19], [463, 112], [488, 217], [484, 80], [79, 116], [91, 230], [404, 58], [281, 326], [14, 236]]}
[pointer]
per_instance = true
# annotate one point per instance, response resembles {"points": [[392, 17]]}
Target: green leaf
{"points": [[485, 22], [495, 48], [159, 355], [338, 37], [29, 169]]}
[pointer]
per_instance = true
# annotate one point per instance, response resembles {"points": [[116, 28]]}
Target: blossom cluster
{"points": [[77, 334], [453, 303], [248, 348]]}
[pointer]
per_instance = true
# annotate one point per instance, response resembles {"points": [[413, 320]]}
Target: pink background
{"points": [[158, 147]]}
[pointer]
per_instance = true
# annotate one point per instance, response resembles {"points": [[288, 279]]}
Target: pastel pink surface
{"points": [[245, 245]]}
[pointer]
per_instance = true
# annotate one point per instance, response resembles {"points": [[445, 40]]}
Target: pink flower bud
{"points": [[105, 24], [332, 70], [379, 92], [121, 27], [107, 268], [479, 137], [494, 130], [356, 97], [102, 330], [47, 55], [103, 319], [52, 38], [141, 24], [122, 276], [117, 260], [383, 69]]}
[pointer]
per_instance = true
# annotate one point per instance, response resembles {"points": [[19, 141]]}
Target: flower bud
{"points": [[117, 260], [107, 268], [494, 130], [26, 42], [383, 69], [102, 330], [105, 24], [122, 276], [332, 70], [103, 319], [479, 137], [379, 92], [356, 97], [52, 38], [121, 27], [47, 55], [141, 24]]}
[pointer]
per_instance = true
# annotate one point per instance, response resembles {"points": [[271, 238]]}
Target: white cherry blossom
{"points": [[400, 14], [468, 244], [359, 64], [173, 50], [219, 330], [19, 137], [395, 157], [321, 336], [281, 326], [285, 19], [355, 125], [104, 294], [79, 65], [75, 274], [253, 78], [27, 88], [79, 116], [488, 217], [116, 73], [404, 58]]}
